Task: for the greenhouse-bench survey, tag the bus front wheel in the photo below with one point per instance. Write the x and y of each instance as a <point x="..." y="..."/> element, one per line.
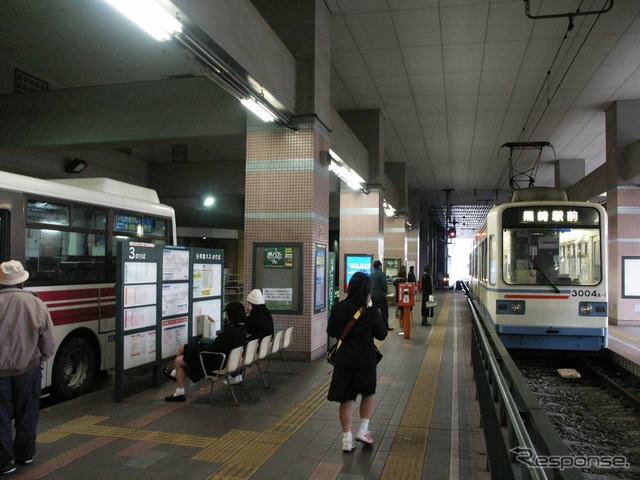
<point x="73" y="369"/>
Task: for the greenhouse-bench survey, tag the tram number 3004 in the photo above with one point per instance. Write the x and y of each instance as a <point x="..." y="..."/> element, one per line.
<point x="587" y="293"/>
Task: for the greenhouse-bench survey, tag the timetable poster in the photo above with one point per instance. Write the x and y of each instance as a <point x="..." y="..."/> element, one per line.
<point x="174" y="334"/>
<point x="140" y="348"/>
<point x="137" y="303"/>
<point x="207" y="271"/>
<point x="175" y="264"/>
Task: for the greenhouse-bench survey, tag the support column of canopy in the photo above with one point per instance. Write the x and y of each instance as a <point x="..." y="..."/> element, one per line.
<point x="361" y="228"/>
<point x="623" y="206"/>
<point x="287" y="206"/>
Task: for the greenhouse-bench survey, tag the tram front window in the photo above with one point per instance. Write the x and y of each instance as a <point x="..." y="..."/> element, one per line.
<point x="558" y="256"/>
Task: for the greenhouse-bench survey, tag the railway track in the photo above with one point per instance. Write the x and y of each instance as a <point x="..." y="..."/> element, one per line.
<point x="597" y="415"/>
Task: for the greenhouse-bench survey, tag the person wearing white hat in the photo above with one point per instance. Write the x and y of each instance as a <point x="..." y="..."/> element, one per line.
<point x="259" y="321"/>
<point x="26" y="341"/>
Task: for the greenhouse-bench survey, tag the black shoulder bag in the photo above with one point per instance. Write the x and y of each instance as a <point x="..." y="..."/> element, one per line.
<point x="331" y="353"/>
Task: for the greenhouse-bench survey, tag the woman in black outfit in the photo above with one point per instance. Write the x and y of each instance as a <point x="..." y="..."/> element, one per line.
<point x="354" y="370"/>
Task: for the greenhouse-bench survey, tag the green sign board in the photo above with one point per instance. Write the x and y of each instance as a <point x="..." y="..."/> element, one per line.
<point x="278" y="257"/>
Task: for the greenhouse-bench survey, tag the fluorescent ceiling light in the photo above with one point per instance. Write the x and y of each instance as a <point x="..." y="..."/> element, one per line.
<point x="208" y="201"/>
<point x="389" y="211"/>
<point x="351" y="178"/>
<point x="258" y="109"/>
<point x="149" y="16"/>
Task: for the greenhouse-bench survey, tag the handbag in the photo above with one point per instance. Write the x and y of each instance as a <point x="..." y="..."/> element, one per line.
<point x="378" y="354"/>
<point x="331" y="353"/>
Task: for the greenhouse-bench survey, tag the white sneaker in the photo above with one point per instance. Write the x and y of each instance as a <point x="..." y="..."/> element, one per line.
<point x="233" y="380"/>
<point x="364" y="437"/>
<point x="348" y="446"/>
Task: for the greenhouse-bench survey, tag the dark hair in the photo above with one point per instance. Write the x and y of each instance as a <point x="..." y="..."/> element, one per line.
<point x="359" y="288"/>
<point x="235" y="312"/>
<point x="377" y="264"/>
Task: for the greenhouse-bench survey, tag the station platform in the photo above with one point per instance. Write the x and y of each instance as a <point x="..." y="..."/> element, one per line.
<point x="426" y="422"/>
<point x="624" y="347"/>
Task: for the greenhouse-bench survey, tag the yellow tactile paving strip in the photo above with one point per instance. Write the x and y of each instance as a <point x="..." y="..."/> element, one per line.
<point x="241" y="453"/>
<point x="408" y="450"/>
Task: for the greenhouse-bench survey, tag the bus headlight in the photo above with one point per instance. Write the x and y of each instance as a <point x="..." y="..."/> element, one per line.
<point x="510" y="307"/>
<point x="592" y="309"/>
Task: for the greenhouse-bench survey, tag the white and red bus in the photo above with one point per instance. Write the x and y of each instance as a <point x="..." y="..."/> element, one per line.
<point x="65" y="234"/>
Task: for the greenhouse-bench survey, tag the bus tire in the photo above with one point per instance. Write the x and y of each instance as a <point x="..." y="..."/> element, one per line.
<point x="74" y="369"/>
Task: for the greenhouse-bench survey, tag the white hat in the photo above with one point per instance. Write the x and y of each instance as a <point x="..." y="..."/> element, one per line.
<point x="12" y="273"/>
<point x="255" y="297"/>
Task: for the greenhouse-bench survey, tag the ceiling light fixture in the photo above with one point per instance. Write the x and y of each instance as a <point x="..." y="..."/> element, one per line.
<point x="348" y="176"/>
<point x="208" y="201"/>
<point x="149" y="16"/>
<point x="389" y="211"/>
<point x="258" y="109"/>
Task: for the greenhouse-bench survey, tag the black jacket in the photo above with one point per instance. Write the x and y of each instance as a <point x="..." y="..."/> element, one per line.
<point x="259" y="322"/>
<point x="231" y="337"/>
<point x="357" y="350"/>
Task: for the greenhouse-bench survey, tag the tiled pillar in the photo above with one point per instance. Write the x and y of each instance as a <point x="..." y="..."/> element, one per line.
<point x="623" y="208"/>
<point x="361" y="227"/>
<point x="395" y="245"/>
<point x="287" y="201"/>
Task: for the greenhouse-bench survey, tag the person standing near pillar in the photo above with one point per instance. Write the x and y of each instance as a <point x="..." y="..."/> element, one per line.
<point x="26" y="341"/>
<point x="355" y="366"/>
<point x="379" y="292"/>
<point x="427" y="290"/>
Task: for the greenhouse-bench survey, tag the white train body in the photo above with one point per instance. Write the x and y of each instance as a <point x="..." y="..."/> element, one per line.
<point x="538" y="271"/>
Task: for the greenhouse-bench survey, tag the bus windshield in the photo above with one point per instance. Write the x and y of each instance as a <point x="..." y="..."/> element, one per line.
<point x="552" y="256"/>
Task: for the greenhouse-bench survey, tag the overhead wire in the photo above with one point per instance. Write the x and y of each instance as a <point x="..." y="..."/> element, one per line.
<point x="547" y="83"/>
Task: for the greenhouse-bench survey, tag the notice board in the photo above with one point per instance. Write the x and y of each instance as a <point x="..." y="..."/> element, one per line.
<point x="165" y="297"/>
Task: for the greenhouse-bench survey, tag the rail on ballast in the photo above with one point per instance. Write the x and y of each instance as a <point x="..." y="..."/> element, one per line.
<point x="521" y="441"/>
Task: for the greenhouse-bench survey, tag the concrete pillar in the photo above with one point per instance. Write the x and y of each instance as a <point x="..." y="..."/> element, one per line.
<point x="413" y="250"/>
<point x="368" y="127"/>
<point x="568" y="171"/>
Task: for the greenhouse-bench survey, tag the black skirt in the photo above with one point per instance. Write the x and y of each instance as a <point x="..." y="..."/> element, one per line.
<point x="347" y="383"/>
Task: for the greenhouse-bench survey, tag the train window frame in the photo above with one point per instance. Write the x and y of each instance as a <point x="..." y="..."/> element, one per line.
<point x="522" y="261"/>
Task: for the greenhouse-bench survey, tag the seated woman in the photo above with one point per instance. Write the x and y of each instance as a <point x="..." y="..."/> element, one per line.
<point x="187" y="362"/>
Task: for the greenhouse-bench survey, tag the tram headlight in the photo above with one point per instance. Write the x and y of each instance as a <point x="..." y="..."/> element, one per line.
<point x="585" y="309"/>
<point x="592" y="309"/>
<point x="510" y="307"/>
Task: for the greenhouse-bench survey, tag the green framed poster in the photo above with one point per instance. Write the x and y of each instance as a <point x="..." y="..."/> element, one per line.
<point x="277" y="272"/>
<point x="278" y="257"/>
<point x="392" y="267"/>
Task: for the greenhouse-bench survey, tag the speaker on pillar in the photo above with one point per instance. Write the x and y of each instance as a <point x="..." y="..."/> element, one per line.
<point x="325" y="158"/>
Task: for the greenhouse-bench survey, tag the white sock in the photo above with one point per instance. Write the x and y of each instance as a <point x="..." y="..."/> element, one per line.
<point x="347" y="436"/>
<point x="179" y="391"/>
<point x="364" y="425"/>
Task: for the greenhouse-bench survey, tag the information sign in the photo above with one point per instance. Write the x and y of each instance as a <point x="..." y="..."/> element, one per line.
<point x="165" y="296"/>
